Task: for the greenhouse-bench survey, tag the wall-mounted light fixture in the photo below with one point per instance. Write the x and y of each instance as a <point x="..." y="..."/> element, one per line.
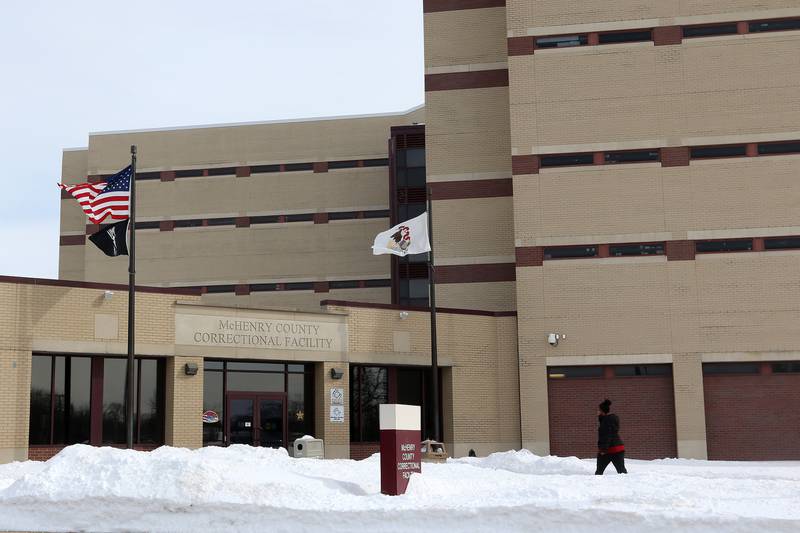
<point x="337" y="373"/>
<point x="403" y="315"/>
<point x="190" y="369"/>
<point x="107" y="295"/>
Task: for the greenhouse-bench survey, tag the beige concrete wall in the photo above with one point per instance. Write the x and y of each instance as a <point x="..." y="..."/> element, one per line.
<point x="481" y="387"/>
<point x="465" y="37"/>
<point x="72" y="218"/>
<point x="476" y="230"/>
<point x="467" y="133"/>
<point x="184" y="404"/>
<point x="300" y="251"/>
<point x="484" y="296"/>
<point x="641" y="202"/>
<point x="555" y="16"/>
<point x="336" y="435"/>
<point x="602" y="97"/>
<point x="243" y="144"/>
<point x="66" y="319"/>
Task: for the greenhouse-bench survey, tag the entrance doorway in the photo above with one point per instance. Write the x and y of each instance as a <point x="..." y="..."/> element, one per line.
<point x="257" y="419"/>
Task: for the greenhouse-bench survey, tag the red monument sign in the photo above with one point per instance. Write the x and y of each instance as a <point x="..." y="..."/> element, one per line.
<point x="400" y="443"/>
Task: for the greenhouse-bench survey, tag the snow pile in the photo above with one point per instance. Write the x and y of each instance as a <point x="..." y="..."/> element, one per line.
<point x="256" y="489"/>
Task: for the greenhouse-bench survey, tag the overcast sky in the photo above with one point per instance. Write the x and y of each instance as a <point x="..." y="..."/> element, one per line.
<point x="70" y="68"/>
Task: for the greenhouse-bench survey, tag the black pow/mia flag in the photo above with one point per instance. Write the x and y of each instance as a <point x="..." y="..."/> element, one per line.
<point x="111" y="239"/>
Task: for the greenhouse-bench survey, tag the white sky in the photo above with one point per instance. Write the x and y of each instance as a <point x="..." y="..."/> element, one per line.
<point x="70" y="68"/>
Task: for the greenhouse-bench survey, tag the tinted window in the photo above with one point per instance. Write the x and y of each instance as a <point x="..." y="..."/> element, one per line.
<point x="344" y="284"/>
<point x="632" y="157"/>
<point x="782" y="243"/>
<point x="267" y="219"/>
<point x="718" y="151"/>
<point x="305" y="217"/>
<point x="643" y="370"/>
<point x="191" y="223"/>
<point x="741" y="245"/>
<point x="563" y="252"/>
<point x="263" y="287"/>
<point x="188" y="173"/>
<point x="383" y="213"/>
<point x="637" y="249"/>
<point x="299" y="286"/>
<point x="706" y="31"/>
<point x="779" y="148"/>
<point x="575" y="372"/>
<point x="343" y="215"/>
<point x="378" y="283"/>
<point x="148" y="225"/>
<point x="39" y="429"/>
<point x="213" y="401"/>
<point x="228" y="171"/>
<point x="148" y="402"/>
<point x="775" y="25"/>
<point x="731" y="368"/>
<point x="114" y="400"/>
<point x="264" y="169"/>
<point x="369" y="388"/>
<point x="300" y="398"/>
<point x="211" y="289"/>
<point x="415" y="157"/>
<point x="294" y="167"/>
<point x="376" y="162"/>
<point x="79" y="421"/>
<point x="562" y="41"/>
<point x="255" y="381"/>
<point x="789" y="366"/>
<point x="221" y="221"/>
<point x="625" y="37"/>
<point x="567" y="160"/>
<point x="341" y="164"/>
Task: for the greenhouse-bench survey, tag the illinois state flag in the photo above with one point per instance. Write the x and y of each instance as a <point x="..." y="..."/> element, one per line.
<point x="409" y="237"/>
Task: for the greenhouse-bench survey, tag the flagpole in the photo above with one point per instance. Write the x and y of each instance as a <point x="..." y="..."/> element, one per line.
<point x="434" y="355"/>
<point x="131" y="302"/>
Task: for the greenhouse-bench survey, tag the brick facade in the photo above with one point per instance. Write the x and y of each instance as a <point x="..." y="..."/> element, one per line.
<point x="753" y="417"/>
<point x="644" y="405"/>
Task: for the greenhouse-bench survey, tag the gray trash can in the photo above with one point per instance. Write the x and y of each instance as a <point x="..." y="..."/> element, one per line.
<point x="309" y="448"/>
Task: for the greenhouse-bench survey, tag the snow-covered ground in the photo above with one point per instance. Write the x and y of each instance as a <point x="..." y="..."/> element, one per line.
<point x="255" y="489"/>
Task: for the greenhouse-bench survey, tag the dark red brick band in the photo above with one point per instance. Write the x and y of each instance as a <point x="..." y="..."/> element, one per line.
<point x="436" y="6"/>
<point x="459" y="190"/>
<point x="478" y="79"/>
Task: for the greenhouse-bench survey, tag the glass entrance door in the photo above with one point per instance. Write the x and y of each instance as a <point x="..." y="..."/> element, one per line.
<point x="257" y="419"/>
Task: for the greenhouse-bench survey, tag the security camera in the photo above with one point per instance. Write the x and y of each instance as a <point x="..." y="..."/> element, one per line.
<point x="553" y="338"/>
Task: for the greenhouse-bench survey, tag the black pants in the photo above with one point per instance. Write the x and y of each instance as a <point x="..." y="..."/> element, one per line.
<point x="617" y="458"/>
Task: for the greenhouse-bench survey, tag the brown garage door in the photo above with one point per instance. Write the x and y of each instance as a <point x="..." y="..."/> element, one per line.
<point x="752" y="411"/>
<point x="642" y="397"/>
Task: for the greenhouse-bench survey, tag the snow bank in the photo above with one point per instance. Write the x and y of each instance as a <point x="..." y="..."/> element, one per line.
<point x="255" y="489"/>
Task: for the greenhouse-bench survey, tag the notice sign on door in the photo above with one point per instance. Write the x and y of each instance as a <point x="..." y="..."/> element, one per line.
<point x="337" y="413"/>
<point x="337" y="396"/>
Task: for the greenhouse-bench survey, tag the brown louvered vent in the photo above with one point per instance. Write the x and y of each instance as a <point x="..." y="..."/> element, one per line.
<point x="413" y="270"/>
<point x="414" y="140"/>
<point x="411" y="195"/>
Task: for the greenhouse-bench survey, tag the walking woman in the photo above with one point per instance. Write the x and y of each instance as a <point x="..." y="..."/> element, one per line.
<point x="610" y="448"/>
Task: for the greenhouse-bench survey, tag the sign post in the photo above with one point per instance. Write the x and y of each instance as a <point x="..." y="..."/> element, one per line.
<point x="400" y="443"/>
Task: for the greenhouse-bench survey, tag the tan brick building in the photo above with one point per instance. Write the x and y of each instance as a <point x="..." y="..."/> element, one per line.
<point x="629" y="170"/>
<point x="615" y="207"/>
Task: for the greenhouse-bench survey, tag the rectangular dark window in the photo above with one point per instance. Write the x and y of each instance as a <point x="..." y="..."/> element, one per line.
<point x="299" y="286"/>
<point x="144" y="176"/>
<point x="296" y="167"/>
<point x="415" y="157"/>
<point x="303" y="217"/>
<point x="567" y="160"/>
<point x="642" y="370"/>
<point x="376" y="162"/>
<point x="378" y="283"/>
<point x="256" y="367"/>
<point x="264" y="169"/>
<point x="731" y="368"/>
<point x="626" y="37"/>
<point x="408" y="211"/>
<point x="782" y="243"/>
<point x="383" y="213"/>
<point x="562" y="41"/>
<point x="342" y="215"/>
<point x="786" y="367"/>
<point x="708" y="152"/>
<point x="709" y="30"/>
<point x="195" y="173"/>
<point x="213" y="289"/>
<point x="148" y="225"/>
<point x="264" y="219"/>
<point x="63" y="407"/>
<point x="222" y="221"/>
<point x="213" y="401"/>
<point x="636" y="156"/>
<point x="369" y="388"/>
<point x="739" y="245"/>
<point x="342" y="164"/>
<point x="557" y="372"/>
<point x="775" y="25"/>
<point x="779" y="148"/>
<point x="189" y="223"/>
<point x="344" y="284"/>
<point x="226" y="171"/>
<point x="621" y="250"/>
<point x="263" y="287"/>
<point x="566" y="252"/>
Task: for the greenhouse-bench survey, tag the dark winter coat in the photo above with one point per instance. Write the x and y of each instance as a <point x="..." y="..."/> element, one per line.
<point x="608" y="432"/>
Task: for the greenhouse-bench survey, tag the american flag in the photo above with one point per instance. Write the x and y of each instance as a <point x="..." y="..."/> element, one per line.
<point x="110" y="198"/>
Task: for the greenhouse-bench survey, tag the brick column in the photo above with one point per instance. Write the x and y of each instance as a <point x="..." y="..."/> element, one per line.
<point x="534" y="408"/>
<point x="336" y="435"/>
<point x="184" y="406"/>
<point x="15" y="397"/>
<point x="690" y="415"/>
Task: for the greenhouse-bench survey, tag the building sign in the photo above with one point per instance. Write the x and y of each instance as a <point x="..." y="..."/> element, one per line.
<point x="400" y="446"/>
<point x="337" y="396"/>
<point x="242" y="332"/>
<point x="337" y="413"/>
